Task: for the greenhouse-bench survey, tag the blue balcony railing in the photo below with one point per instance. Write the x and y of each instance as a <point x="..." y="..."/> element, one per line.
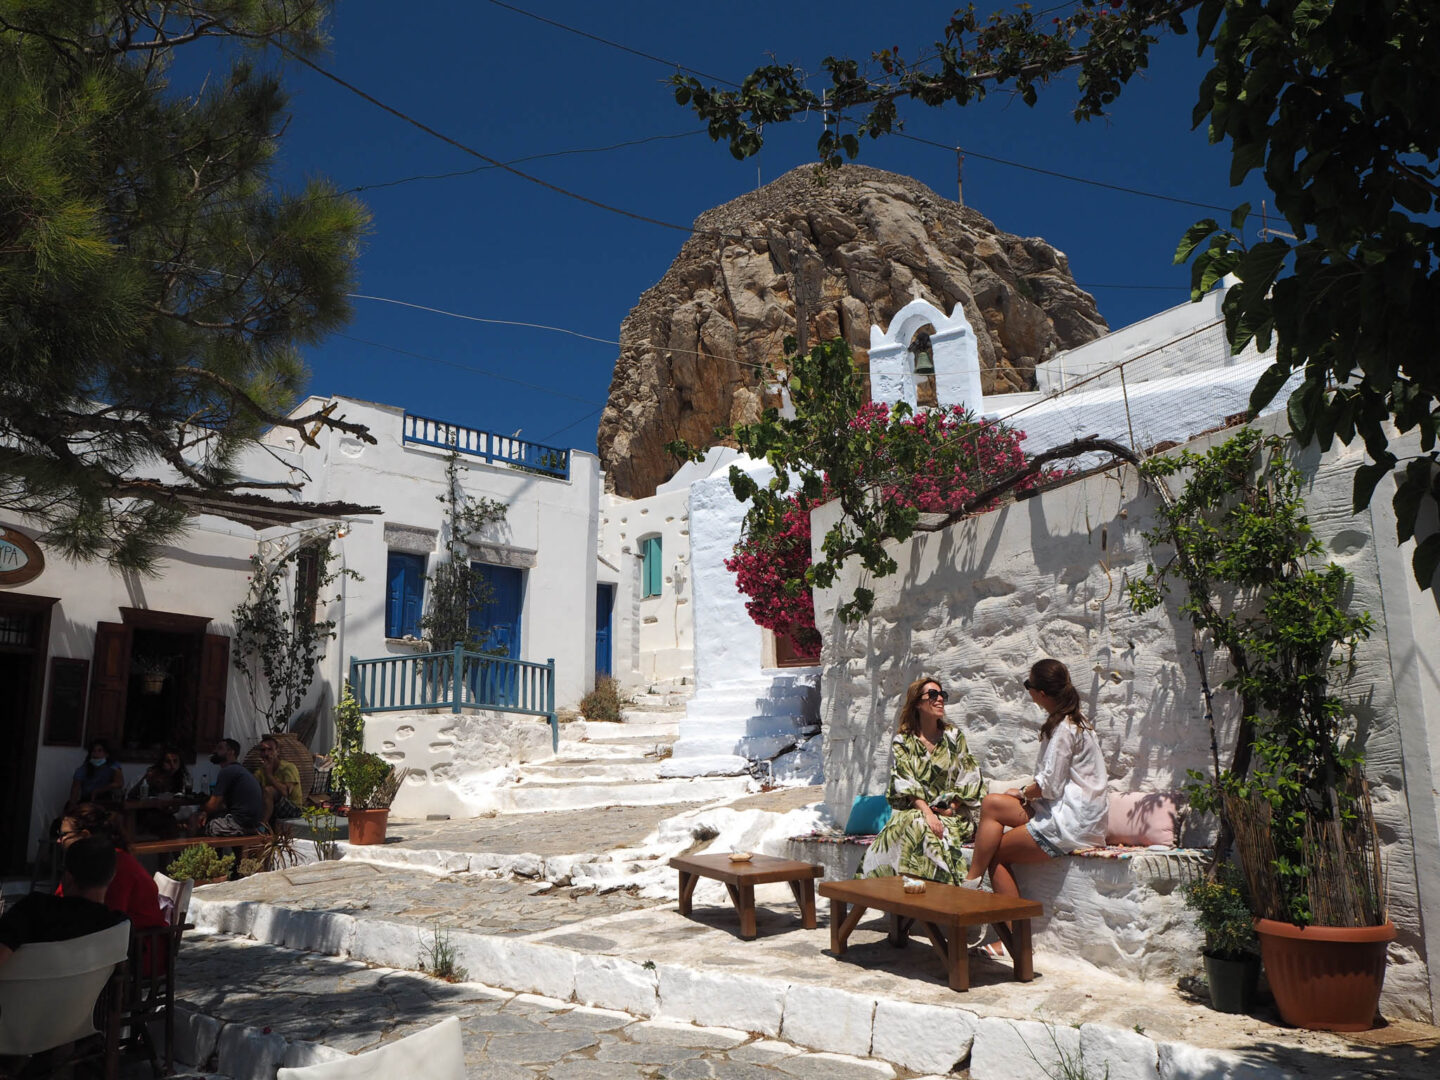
<point x="456" y="680"/>
<point x="489" y="447"/>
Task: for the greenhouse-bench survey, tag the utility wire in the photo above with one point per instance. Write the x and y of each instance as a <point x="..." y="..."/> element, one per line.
<point x="1062" y="176"/>
<point x="612" y="44"/>
<point x="467" y="367"/>
<point x="573" y="423"/>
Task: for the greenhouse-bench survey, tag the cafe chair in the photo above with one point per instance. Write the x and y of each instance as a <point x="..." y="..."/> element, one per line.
<point x="48" y="992"/>
<point x="437" y="1052"/>
<point x="150" y="983"/>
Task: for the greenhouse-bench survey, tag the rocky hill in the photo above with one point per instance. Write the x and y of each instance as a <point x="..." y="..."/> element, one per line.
<point x="852" y="247"/>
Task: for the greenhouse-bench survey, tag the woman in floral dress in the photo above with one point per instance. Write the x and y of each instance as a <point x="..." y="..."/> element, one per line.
<point x="935" y="791"/>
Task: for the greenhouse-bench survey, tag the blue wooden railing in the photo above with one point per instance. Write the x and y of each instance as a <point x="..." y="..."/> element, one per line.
<point x="492" y="448"/>
<point x="456" y="680"/>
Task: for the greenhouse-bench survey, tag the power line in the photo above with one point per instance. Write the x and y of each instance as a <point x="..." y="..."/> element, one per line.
<point x="612" y="44"/>
<point x="573" y="423"/>
<point x="467" y="367"/>
<point x="1060" y="175"/>
<point x="481" y="319"/>
<point x="519" y="160"/>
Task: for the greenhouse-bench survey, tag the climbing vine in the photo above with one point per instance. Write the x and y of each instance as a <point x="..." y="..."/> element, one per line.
<point x="279" y="636"/>
<point x="1247" y="558"/>
<point x="457" y="587"/>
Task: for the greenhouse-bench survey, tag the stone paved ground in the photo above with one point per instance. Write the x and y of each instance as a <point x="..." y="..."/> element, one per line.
<point x="414" y="897"/>
<point x="555" y="832"/>
<point x="346" y="1005"/>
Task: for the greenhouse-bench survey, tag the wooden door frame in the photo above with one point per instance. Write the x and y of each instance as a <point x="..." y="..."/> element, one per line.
<point x="20" y="800"/>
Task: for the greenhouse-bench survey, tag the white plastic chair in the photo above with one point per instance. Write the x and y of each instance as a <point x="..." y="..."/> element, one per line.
<point x="48" y="989"/>
<point x="174" y="895"/>
<point x="437" y="1052"/>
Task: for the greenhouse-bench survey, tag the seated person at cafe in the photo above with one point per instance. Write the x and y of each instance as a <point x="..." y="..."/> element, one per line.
<point x="89" y="866"/>
<point x="98" y="778"/>
<point x="279" y="782"/>
<point x="168" y="776"/>
<point x="132" y="890"/>
<point x="236" y="806"/>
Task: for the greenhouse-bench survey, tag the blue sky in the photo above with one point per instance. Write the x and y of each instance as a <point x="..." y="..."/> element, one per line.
<point x="493" y="246"/>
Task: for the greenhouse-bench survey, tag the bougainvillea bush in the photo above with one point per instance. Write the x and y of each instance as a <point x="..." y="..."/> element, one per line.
<point x="935" y="461"/>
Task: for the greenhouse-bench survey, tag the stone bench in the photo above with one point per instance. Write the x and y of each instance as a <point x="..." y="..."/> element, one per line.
<point x="1117" y="907"/>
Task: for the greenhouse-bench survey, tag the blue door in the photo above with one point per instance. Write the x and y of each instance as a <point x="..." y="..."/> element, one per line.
<point x="604" y="605"/>
<point x="499" y="684"/>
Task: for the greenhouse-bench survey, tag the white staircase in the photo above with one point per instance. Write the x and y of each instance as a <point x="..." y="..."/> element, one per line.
<point x="729" y="726"/>
<point x="617" y="764"/>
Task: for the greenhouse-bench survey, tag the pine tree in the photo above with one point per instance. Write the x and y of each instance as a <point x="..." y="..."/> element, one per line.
<point x="155" y="284"/>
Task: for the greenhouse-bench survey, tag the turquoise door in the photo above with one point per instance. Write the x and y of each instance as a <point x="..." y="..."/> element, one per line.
<point x="604" y="605"/>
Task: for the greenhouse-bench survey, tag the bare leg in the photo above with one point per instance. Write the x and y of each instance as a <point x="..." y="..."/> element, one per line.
<point x="1016" y="846"/>
<point x="997" y="813"/>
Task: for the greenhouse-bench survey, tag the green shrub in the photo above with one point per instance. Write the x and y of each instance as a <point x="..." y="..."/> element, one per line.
<point x="201" y="862"/>
<point x="369" y="780"/>
<point x="602" y="703"/>
<point x="1222" y="910"/>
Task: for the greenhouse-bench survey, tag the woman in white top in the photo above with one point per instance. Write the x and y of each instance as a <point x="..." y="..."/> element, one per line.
<point x="1063" y="809"/>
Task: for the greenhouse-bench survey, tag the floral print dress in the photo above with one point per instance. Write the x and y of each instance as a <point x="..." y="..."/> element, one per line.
<point x="906" y="845"/>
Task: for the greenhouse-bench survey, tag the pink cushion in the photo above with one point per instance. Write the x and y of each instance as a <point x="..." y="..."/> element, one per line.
<point x="1141" y="818"/>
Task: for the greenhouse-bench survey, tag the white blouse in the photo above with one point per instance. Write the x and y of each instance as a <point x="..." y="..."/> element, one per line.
<point x="1073" y="804"/>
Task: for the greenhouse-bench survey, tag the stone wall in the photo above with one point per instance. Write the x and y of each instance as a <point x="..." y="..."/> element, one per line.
<point x="456" y="761"/>
<point x="976" y="604"/>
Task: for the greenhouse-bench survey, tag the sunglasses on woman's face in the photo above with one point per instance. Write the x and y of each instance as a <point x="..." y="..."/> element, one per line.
<point x="1030" y="685"/>
<point x="936" y="695"/>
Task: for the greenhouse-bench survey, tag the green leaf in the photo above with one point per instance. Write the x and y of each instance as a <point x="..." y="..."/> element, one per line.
<point x="1193" y="238"/>
<point x="1426" y="561"/>
<point x="1366" y="477"/>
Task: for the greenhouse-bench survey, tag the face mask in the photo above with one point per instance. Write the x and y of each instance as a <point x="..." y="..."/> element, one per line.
<point x="98" y="761"/>
<point x="216" y="759"/>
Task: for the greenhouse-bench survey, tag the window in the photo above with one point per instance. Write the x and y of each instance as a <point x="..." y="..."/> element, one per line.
<point x="651" y="573"/>
<point x="404" y="594"/>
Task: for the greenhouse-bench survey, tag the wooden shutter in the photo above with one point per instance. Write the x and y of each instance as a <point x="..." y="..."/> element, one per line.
<point x="210" y="703"/>
<point x="109" y="683"/>
<point x="404" y="594"/>
<point x="653" y="570"/>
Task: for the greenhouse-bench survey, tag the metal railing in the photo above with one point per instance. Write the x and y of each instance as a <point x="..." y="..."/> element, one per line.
<point x="488" y="446"/>
<point x="456" y="680"/>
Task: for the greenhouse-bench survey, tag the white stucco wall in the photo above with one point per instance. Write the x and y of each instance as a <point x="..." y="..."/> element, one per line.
<point x="976" y="604"/>
<point x="206" y="575"/>
<point x="551" y="530"/>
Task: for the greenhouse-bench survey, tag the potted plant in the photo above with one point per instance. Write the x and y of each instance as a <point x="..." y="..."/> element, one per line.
<point x="1293" y="797"/>
<point x="153" y="671"/>
<point x="370" y="782"/>
<point x="1222" y="912"/>
<point x="202" y="863"/>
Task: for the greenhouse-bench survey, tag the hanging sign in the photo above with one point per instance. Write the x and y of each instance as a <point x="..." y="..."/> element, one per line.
<point x="20" y="558"/>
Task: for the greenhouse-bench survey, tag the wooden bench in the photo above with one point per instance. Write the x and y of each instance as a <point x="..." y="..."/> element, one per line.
<point x="740" y="879"/>
<point x="160" y="847"/>
<point x="943" y="911"/>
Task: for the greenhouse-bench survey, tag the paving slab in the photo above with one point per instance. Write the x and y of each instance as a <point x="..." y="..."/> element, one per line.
<point x="296" y="1002"/>
<point x="551" y="832"/>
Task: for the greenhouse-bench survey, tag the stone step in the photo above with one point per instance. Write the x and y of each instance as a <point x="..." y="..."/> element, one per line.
<point x="531" y="797"/>
<point x="613" y="770"/>
<point x="596" y="731"/>
<point x="306" y="1008"/>
<point x="705" y="765"/>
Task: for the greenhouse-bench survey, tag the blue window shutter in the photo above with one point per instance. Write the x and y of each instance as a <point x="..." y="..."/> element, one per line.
<point x="652" y="572"/>
<point x="404" y="594"/>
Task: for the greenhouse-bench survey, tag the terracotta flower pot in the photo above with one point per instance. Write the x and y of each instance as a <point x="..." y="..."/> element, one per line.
<point x="1326" y="978"/>
<point x="368" y="826"/>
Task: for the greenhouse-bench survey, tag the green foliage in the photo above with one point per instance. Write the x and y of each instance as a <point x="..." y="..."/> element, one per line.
<point x="1244" y="552"/>
<point x="602" y="703"/>
<point x="369" y="780"/>
<point x="456" y="587"/>
<point x="201" y="862"/>
<point x="155" y="285"/>
<point x="1333" y="101"/>
<point x="277" y="646"/>
<point x="277" y="852"/>
<point x="323" y="828"/>
<point x="349" y="725"/>
<point x="1223" y="912"/>
<point x="437" y="957"/>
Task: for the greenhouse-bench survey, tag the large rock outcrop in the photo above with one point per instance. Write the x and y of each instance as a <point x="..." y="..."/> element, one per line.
<point x="853" y="247"/>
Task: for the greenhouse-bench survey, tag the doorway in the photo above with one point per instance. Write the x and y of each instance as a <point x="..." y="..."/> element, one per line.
<point x="604" y="605"/>
<point x="24" y="645"/>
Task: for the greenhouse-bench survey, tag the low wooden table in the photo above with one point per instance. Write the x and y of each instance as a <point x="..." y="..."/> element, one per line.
<point x="740" y="879"/>
<point x="943" y="911"/>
